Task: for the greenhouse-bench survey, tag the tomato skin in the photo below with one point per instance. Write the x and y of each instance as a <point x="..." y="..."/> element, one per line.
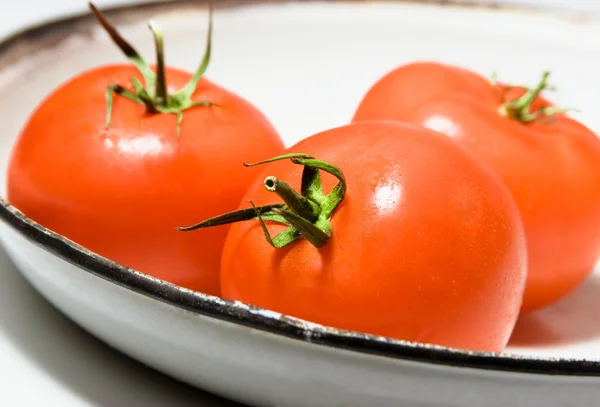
<point x="551" y="168"/>
<point x="122" y="192"/>
<point x="427" y="245"/>
<point x="416" y="83"/>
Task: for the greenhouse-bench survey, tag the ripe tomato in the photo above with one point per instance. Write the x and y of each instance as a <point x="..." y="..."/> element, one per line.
<point x="550" y="162"/>
<point x="121" y="190"/>
<point x="426" y="244"/>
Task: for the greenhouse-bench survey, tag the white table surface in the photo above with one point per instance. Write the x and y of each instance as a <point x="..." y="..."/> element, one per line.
<point x="45" y="360"/>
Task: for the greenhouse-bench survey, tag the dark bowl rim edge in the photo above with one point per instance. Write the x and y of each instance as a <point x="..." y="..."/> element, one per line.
<point x="249" y="316"/>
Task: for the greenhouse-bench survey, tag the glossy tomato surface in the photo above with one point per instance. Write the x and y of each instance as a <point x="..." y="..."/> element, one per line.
<point x="427" y="244"/>
<point x="122" y="191"/>
<point x="551" y="165"/>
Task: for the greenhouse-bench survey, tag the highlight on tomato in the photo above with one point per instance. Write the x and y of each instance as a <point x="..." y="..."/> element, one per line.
<point x="116" y="158"/>
<point x="395" y="230"/>
<point x="549" y="161"/>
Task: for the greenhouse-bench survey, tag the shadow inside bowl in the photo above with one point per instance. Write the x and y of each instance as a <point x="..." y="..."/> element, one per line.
<point x="79" y="362"/>
<point x="572" y="320"/>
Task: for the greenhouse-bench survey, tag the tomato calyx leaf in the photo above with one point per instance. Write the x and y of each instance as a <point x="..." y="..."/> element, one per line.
<point x="306" y="214"/>
<point x="520" y="109"/>
<point x="154" y="93"/>
<point x="231" y="217"/>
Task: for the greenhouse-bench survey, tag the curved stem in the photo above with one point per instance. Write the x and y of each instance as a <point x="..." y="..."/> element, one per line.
<point x="190" y="88"/>
<point x="154" y="95"/>
<point x="306" y="214"/>
<point x="525" y="101"/>
<point x="279" y="158"/>
<point x="117" y="90"/>
<point x="310" y="231"/>
<point x="231" y="217"/>
<point x="124" y="46"/>
<point x="143" y="95"/>
<point x="160" y="93"/>
<point x="283" y="238"/>
<point x="520" y="109"/>
<point x="311" y="181"/>
<point x="335" y="197"/>
<point x="263" y="226"/>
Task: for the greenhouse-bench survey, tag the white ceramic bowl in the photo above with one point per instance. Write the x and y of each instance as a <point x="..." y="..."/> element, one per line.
<point x="306" y="66"/>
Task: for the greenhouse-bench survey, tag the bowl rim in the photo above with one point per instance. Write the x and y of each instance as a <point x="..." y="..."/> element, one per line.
<point x="52" y="31"/>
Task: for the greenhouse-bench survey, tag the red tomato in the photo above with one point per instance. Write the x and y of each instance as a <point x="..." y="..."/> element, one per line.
<point x="427" y="244"/>
<point x="122" y="191"/>
<point x="550" y="162"/>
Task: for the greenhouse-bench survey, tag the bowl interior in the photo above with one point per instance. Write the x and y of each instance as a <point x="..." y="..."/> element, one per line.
<point x="307" y="66"/>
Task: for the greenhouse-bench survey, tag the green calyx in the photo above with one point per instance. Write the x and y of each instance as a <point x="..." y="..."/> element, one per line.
<point x="520" y="109"/>
<point x="153" y="93"/>
<point x="306" y="213"/>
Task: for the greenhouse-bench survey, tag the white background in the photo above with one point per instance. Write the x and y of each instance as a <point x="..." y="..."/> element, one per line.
<point x="47" y="361"/>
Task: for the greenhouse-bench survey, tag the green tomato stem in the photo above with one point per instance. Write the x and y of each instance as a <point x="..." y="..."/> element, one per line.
<point x="153" y="94"/>
<point x="520" y="109"/>
<point x="315" y="235"/>
<point x="281" y="239"/>
<point x="160" y="93"/>
<point x="232" y="217"/>
<point x="306" y="214"/>
<point x="299" y="204"/>
<point x="189" y="89"/>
